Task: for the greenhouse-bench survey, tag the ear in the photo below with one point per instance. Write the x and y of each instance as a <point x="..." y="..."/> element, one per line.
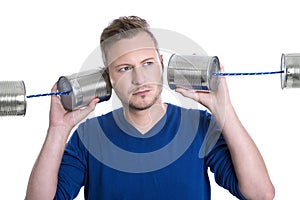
<point x="108" y="77"/>
<point x="161" y="61"/>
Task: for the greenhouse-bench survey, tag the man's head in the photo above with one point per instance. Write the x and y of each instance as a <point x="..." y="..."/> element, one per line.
<point x="130" y="52"/>
<point x="123" y="28"/>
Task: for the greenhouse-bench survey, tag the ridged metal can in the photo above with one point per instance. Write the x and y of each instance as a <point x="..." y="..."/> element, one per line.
<point x="193" y="72"/>
<point x="84" y="87"/>
<point x="12" y="98"/>
<point x="290" y="65"/>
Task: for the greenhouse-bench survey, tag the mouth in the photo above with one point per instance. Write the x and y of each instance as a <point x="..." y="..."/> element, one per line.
<point x="141" y="92"/>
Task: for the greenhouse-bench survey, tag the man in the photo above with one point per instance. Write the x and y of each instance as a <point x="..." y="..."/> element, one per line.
<point x="147" y="149"/>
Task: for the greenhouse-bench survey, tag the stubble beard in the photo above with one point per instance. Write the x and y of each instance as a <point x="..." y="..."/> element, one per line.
<point x="144" y="106"/>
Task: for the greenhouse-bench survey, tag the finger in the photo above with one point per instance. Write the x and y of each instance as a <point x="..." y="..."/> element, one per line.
<point x="93" y="104"/>
<point x="187" y="93"/>
<point x="54" y="88"/>
<point x="80" y="114"/>
<point x="221" y="68"/>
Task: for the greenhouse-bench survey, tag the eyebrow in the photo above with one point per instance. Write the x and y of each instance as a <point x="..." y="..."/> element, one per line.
<point x="144" y="60"/>
<point x="150" y="58"/>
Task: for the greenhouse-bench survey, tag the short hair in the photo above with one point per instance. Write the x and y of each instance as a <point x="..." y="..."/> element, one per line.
<point x="123" y="28"/>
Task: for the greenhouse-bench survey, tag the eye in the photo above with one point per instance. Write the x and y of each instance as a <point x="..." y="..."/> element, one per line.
<point x="125" y="68"/>
<point x="148" y="63"/>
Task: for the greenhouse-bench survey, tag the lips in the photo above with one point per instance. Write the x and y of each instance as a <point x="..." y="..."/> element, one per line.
<point x="141" y="92"/>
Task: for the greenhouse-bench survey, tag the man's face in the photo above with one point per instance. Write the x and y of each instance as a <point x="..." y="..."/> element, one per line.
<point x="135" y="70"/>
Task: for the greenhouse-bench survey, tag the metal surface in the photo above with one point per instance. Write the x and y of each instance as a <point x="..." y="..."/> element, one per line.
<point x="193" y="72"/>
<point x="12" y="98"/>
<point x="83" y="87"/>
<point x="290" y="65"/>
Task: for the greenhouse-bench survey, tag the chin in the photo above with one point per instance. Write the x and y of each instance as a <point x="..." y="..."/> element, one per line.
<point x="142" y="105"/>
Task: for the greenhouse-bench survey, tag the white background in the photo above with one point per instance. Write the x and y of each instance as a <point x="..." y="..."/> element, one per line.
<point x="40" y="41"/>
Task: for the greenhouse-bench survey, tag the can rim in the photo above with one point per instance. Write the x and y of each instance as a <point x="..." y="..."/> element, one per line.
<point x="213" y="81"/>
<point x="283" y="68"/>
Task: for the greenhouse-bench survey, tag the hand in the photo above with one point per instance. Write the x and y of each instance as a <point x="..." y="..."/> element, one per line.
<point x="59" y="117"/>
<point x="216" y="101"/>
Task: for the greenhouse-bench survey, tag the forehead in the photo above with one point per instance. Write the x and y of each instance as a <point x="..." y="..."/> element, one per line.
<point x="141" y="41"/>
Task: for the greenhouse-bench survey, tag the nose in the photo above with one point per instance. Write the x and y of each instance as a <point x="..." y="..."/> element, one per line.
<point x="138" y="76"/>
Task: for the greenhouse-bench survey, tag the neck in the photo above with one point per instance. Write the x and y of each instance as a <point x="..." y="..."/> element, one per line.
<point x="144" y="120"/>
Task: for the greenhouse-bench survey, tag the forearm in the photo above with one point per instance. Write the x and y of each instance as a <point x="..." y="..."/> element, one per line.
<point x="43" y="179"/>
<point x="252" y="174"/>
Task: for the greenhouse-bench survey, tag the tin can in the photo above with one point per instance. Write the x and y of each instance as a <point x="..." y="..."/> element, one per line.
<point x="290" y="65"/>
<point x="12" y="98"/>
<point x="193" y="72"/>
<point x="84" y="87"/>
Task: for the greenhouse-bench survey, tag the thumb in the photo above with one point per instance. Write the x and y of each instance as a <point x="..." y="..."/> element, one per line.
<point x="81" y="113"/>
<point x="187" y="93"/>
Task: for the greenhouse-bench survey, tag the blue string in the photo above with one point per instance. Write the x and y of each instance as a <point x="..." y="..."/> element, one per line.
<point x="247" y="74"/>
<point x="213" y="74"/>
<point x="48" y="94"/>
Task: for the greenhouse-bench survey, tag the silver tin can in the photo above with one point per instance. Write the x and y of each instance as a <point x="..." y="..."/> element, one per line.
<point x="12" y="98"/>
<point x="290" y="65"/>
<point x="193" y="72"/>
<point x="84" y="87"/>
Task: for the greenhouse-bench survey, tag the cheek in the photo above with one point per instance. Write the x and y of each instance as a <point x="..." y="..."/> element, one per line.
<point x="114" y="79"/>
<point x="155" y="75"/>
<point x="120" y="83"/>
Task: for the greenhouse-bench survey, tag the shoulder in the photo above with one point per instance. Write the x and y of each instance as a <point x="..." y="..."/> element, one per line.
<point x="101" y="119"/>
<point x="190" y="117"/>
<point x="189" y="112"/>
<point x="92" y="125"/>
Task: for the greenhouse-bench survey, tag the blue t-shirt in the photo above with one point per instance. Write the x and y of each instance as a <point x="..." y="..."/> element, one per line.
<point x="113" y="160"/>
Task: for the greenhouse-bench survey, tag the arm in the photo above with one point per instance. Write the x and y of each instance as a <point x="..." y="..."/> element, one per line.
<point x="43" y="179"/>
<point x="253" y="178"/>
